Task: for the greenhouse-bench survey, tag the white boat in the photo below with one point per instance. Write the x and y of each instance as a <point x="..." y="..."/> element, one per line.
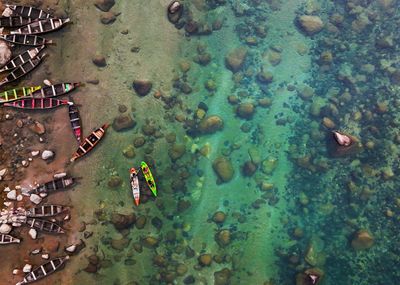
<point x="135" y="185"/>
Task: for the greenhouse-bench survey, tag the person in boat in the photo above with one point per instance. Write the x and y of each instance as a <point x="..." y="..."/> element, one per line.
<point x="151" y="184"/>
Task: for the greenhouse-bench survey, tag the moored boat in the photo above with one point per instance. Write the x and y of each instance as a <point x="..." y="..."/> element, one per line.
<point x="26" y="40"/>
<point x="41" y="27"/>
<point x="8" y="239"/>
<point x="55" y="90"/>
<point x="75" y="120"/>
<point x="45" y="211"/>
<point x="90" y="142"/>
<point x="44" y="226"/>
<point x="14" y="21"/>
<point x="149" y="177"/>
<point x="37" y="103"/>
<point x="17" y="93"/>
<point x="135" y="185"/>
<point x="29" y="12"/>
<point x="22" y="58"/>
<point x="62" y="183"/>
<point x="22" y="70"/>
<point x="44" y="270"/>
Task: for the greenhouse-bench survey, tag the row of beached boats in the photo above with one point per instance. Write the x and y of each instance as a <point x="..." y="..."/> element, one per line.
<point x="22" y="26"/>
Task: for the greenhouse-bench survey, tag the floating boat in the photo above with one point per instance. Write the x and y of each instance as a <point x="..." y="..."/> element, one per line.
<point x="7" y="239"/>
<point x="22" y="58"/>
<point x="135" y="185"/>
<point x="41" y="27"/>
<point x="29" y="12"/>
<point x="44" y="226"/>
<point x="149" y="177"/>
<point x="27" y="40"/>
<point x="45" y="211"/>
<point x="75" y="120"/>
<point x="62" y="183"/>
<point x="90" y="142"/>
<point x="44" y="270"/>
<point x="22" y="70"/>
<point x="55" y="90"/>
<point x="37" y="103"/>
<point x="17" y="93"/>
<point x="14" y="21"/>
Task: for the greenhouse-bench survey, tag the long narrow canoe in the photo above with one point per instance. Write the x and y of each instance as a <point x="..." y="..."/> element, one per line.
<point x="22" y="58"/>
<point x="90" y="142"/>
<point x="29" y="12"/>
<point x="7" y="239"/>
<point x="22" y="70"/>
<point x="17" y="93"/>
<point x="44" y="270"/>
<point x="14" y="21"/>
<point x="55" y="90"/>
<point x="75" y="120"/>
<point x="41" y="27"/>
<point x="45" y="211"/>
<point x="26" y="40"/>
<point x="149" y="177"/>
<point x="37" y="103"/>
<point x="62" y="183"/>
<point x="44" y="226"/>
<point x="135" y="185"/>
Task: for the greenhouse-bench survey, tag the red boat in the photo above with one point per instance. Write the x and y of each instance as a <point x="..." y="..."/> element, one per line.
<point x="37" y="103"/>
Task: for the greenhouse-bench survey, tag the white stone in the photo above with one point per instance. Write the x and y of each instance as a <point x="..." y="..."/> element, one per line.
<point x="15" y="271"/>
<point x="7" y="204"/>
<point x="36" y="251"/>
<point x="8" y="116"/>
<point x="35" y="153"/>
<point x="19" y="197"/>
<point x="27" y="268"/>
<point x="5" y="229"/>
<point x="16" y="224"/>
<point x="25" y="163"/>
<point x="45" y="256"/>
<point x="43" y="195"/>
<point x="18" y="187"/>
<point x="33" y="233"/>
<point x="35" y="199"/>
<point x="41" y="139"/>
<point x="71" y="248"/>
<point x="3" y="171"/>
<point x="59" y="175"/>
<point x="12" y="195"/>
<point x="7" y="189"/>
<point x="30" y="159"/>
<point x="47" y="154"/>
<point x="7" y="12"/>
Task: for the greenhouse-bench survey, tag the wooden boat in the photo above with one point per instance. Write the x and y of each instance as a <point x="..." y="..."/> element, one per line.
<point x="26" y="40"/>
<point x="41" y="26"/>
<point x="29" y="12"/>
<point x="14" y="21"/>
<point x="90" y="142"/>
<point x="62" y="183"/>
<point x="45" y="211"/>
<point x="44" y="270"/>
<point x="75" y="120"/>
<point x="135" y="185"/>
<point x="7" y="239"/>
<point x="22" y="58"/>
<point x="44" y="226"/>
<point x="55" y="90"/>
<point x="17" y="93"/>
<point x="37" y="103"/>
<point x="22" y="70"/>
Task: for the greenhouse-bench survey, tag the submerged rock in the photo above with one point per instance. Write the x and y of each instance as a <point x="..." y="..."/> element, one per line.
<point x="223" y="238"/>
<point x="121" y="221"/>
<point x="362" y="240"/>
<point x="310" y="24"/>
<point x="219" y="217"/>
<point x="235" y="59"/>
<point x="205" y="259"/>
<point x="245" y="110"/>
<point x="174" y="11"/>
<point x="123" y="122"/>
<point x="37" y="128"/>
<point x="222" y="277"/>
<point x="223" y="168"/>
<point x="119" y="244"/>
<point x="211" y="124"/>
<point x="142" y="87"/>
<point x="5" y="229"/>
<point x="104" y="5"/>
<point x="311" y="276"/>
<point x="99" y="61"/>
<point x="176" y="151"/>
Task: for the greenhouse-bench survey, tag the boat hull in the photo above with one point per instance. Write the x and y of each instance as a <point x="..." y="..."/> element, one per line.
<point x="149" y="177"/>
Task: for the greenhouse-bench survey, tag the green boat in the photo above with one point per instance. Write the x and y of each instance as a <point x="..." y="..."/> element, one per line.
<point x="17" y="93"/>
<point x="149" y="177"/>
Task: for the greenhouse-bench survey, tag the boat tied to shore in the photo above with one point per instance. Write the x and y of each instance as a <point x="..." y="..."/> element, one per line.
<point x="54" y="185"/>
<point x="37" y="103"/>
<point x="22" y="58"/>
<point x="28" y="12"/>
<point x="8" y="239"/>
<point x="45" y="211"/>
<point x="75" y="121"/>
<point x="44" y="270"/>
<point x="17" y="93"/>
<point x="44" y="226"/>
<point x="90" y="142"/>
<point x="26" y="40"/>
<point x="41" y="26"/>
<point x="14" y="21"/>
<point x="55" y="90"/>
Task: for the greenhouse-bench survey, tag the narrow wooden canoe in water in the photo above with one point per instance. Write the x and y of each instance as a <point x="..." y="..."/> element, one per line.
<point x="14" y="21"/>
<point x="55" y="90"/>
<point x="75" y="120"/>
<point x="22" y="58"/>
<point x="29" y="12"/>
<point x="37" y="103"/>
<point x="22" y="70"/>
<point x="44" y="226"/>
<point x="7" y="239"/>
<point x="41" y="27"/>
<point x="26" y="40"/>
<point x="62" y="183"/>
<point x="90" y="142"/>
<point x="17" y="93"/>
<point x="45" y="211"/>
<point x="44" y="270"/>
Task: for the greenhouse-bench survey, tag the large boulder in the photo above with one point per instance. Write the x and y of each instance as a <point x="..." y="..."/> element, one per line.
<point x="119" y="244"/>
<point x="5" y="53"/>
<point x="223" y="168"/>
<point x="104" y="5"/>
<point x="235" y="59"/>
<point x="245" y="110"/>
<point x="310" y="24"/>
<point x="121" y="221"/>
<point x="176" y="151"/>
<point x="123" y="122"/>
<point x="142" y="87"/>
<point x="362" y="239"/>
<point x="211" y="124"/>
<point x="222" y="277"/>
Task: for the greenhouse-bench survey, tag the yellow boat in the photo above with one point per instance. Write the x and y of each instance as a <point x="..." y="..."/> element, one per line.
<point x="17" y="93"/>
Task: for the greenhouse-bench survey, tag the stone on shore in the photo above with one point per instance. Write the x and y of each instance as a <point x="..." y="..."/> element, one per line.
<point x="27" y="268"/>
<point x="37" y="128"/>
<point x="142" y="87"/>
<point x="123" y="122"/>
<point x="121" y="221"/>
<point x="235" y="59"/>
<point x="310" y="24"/>
<point x="12" y="195"/>
<point x="36" y="199"/>
<point x="32" y="233"/>
<point x="104" y="5"/>
<point x="223" y="168"/>
<point x="47" y="154"/>
<point x="99" y="61"/>
<point x="5" y="53"/>
<point x="108" y="18"/>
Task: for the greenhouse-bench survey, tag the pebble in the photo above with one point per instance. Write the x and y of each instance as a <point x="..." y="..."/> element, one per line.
<point x="3" y="171"/>
<point x="47" y="154"/>
<point x="7" y="204"/>
<point x="45" y="256"/>
<point x="5" y="229"/>
<point x="27" y="268"/>
<point x="36" y="199"/>
<point x="36" y="251"/>
<point x="19" y="197"/>
<point x="15" y="271"/>
<point x="25" y="163"/>
<point x="59" y="175"/>
<point x="33" y="233"/>
<point x="71" y="248"/>
<point x="12" y="195"/>
<point x="7" y="189"/>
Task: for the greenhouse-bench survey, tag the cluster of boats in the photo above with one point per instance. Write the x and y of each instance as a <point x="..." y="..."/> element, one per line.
<point x="134" y="179"/>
